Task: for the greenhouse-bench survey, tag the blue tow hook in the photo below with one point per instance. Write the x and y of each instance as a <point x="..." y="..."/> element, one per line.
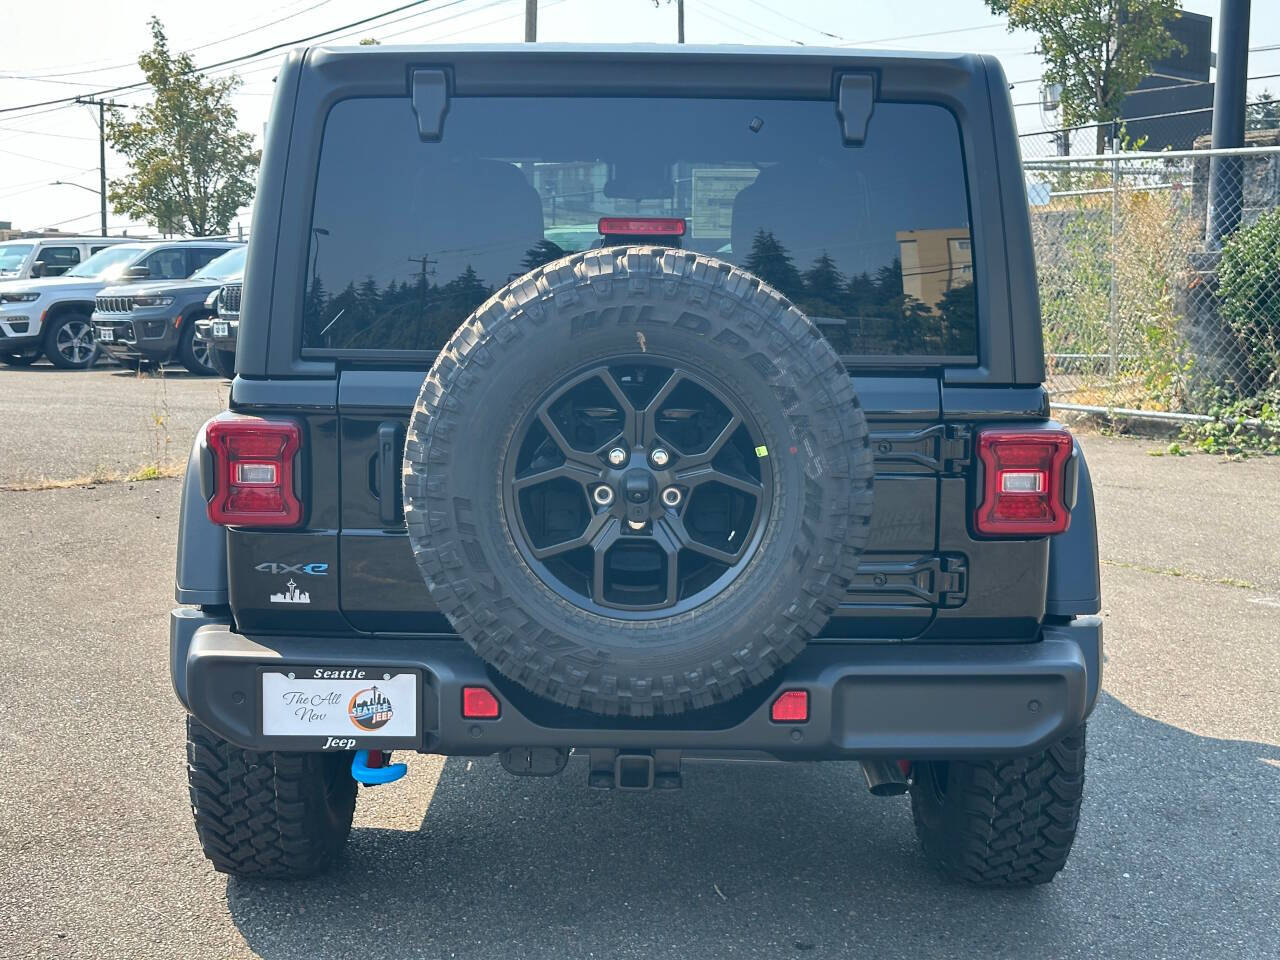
<point x="361" y="772"/>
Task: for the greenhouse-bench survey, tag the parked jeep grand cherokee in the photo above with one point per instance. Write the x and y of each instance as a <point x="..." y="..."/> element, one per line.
<point x="762" y="467"/>
<point x="52" y="315"/>
<point x="149" y="323"/>
<point x="220" y="328"/>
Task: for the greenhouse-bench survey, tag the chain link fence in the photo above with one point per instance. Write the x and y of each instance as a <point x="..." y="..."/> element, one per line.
<point x="1159" y="279"/>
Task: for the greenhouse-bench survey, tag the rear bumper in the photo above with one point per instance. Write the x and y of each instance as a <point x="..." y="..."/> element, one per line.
<point x="911" y="701"/>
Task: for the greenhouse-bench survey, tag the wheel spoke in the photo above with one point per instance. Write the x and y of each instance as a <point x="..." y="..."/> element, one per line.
<point x="676" y="537"/>
<point x="605" y="538"/>
<point x="697" y="476"/>
<point x="582" y="473"/>
<point x="649" y="416"/>
<point x="716" y="446"/>
<point x="630" y="415"/>
<point x="597" y="528"/>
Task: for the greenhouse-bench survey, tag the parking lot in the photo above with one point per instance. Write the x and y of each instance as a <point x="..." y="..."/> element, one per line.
<point x="1177" y="857"/>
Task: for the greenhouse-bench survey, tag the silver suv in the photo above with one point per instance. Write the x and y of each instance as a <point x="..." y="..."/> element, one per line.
<point x="51" y="316"/>
<point x="35" y="257"/>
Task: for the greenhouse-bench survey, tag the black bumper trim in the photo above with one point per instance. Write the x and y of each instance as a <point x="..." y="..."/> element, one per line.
<point x="899" y="700"/>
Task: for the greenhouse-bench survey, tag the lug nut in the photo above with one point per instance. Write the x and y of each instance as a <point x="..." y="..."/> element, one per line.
<point x="603" y="495"/>
<point x="660" y="457"/>
<point x="617" y="456"/>
<point x="671" y="496"/>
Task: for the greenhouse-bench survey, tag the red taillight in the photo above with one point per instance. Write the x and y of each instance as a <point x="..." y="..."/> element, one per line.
<point x="642" y="227"/>
<point x="253" y="471"/>
<point x="1023" y="482"/>
<point x="792" y="706"/>
<point x="478" y="703"/>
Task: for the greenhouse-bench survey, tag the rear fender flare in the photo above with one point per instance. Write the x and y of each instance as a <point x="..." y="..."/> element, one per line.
<point x="201" y="575"/>
<point x="1074" y="588"/>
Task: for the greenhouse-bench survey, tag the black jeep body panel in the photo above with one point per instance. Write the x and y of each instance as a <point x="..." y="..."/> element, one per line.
<point x="947" y="643"/>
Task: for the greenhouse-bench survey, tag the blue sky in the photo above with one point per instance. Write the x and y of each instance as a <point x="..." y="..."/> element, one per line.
<point x="57" y="42"/>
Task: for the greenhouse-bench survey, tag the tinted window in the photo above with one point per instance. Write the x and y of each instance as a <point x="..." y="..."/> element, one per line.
<point x="229" y="266"/>
<point x="168" y="264"/>
<point x="197" y="257"/>
<point x="12" y="256"/>
<point x="872" y="241"/>
<point x="58" y="260"/>
<point x="107" y="264"/>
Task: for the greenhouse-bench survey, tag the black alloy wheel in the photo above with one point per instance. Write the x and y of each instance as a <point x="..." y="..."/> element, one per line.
<point x="637" y="486"/>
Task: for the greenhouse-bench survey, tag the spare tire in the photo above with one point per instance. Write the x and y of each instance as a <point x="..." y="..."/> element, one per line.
<point x="637" y="481"/>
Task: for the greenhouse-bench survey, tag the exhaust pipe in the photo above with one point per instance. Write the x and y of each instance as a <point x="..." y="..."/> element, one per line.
<point x="884" y="778"/>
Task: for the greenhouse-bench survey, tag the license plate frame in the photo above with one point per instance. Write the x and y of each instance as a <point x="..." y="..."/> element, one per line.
<point x="106" y="335"/>
<point x="290" y="696"/>
<point x="220" y="328"/>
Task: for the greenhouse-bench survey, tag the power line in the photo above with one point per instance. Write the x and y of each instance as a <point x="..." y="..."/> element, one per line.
<point x="704" y="9"/>
<point x="798" y="23"/>
<point x="232" y="60"/>
<point x="934" y="33"/>
<point x="752" y="24"/>
<point x="41" y="77"/>
<point x="27" y="156"/>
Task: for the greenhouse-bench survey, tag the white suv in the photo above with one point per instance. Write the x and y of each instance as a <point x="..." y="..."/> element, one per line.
<point x="51" y="315"/>
<point x="35" y="257"/>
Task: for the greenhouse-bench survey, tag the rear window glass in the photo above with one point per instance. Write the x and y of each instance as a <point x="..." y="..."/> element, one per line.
<point x="871" y="241"/>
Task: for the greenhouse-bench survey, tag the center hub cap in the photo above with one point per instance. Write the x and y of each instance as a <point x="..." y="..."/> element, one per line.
<point x="639" y="489"/>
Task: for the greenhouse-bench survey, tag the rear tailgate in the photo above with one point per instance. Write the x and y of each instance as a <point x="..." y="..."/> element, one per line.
<point x="903" y="580"/>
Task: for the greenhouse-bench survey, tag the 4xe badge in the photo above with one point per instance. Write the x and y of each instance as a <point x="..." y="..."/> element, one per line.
<point x="314" y="569"/>
<point x="370" y="709"/>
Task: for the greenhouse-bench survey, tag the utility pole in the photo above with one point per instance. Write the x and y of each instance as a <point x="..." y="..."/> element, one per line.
<point x="424" y="261"/>
<point x="102" y="151"/>
<point x="530" y="21"/>
<point x="679" y="21"/>
<point x="1226" y="192"/>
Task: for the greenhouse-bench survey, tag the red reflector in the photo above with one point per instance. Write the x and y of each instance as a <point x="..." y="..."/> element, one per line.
<point x="791" y="706"/>
<point x="1024" y="474"/>
<point x="253" y="471"/>
<point x="642" y="226"/>
<point x="479" y="704"/>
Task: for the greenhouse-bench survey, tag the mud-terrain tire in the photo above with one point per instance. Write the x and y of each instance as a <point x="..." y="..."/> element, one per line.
<point x="268" y="814"/>
<point x="1001" y="822"/>
<point x="638" y="305"/>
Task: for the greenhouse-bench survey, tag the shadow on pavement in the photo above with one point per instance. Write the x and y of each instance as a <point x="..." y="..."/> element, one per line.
<point x="1177" y="857"/>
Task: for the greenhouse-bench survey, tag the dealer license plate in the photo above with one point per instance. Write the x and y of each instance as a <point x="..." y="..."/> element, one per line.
<point x="106" y="334"/>
<point x="221" y="328"/>
<point x="341" y="707"/>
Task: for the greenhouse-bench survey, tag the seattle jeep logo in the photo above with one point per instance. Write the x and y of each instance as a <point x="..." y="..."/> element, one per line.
<point x="369" y="709"/>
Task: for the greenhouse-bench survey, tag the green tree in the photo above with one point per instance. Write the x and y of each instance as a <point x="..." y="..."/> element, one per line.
<point x="1097" y="50"/>
<point x="1263" y="113"/>
<point x="770" y="261"/>
<point x="824" y="286"/>
<point x="190" y="169"/>
<point x="1249" y="299"/>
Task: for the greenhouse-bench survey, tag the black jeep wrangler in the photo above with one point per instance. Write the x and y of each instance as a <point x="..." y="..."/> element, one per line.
<point x="625" y="404"/>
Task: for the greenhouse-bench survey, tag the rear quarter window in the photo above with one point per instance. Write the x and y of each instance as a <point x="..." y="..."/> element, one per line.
<point x="873" y="241"/>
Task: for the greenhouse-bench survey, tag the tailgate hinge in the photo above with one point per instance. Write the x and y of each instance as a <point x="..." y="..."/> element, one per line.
<point x="943" y="448"/>
<point x="939" y="581"/>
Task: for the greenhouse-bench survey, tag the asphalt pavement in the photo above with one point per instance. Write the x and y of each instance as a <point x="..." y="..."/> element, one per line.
<point x="1178" y="855"/>
<point x="60" y="424"/>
